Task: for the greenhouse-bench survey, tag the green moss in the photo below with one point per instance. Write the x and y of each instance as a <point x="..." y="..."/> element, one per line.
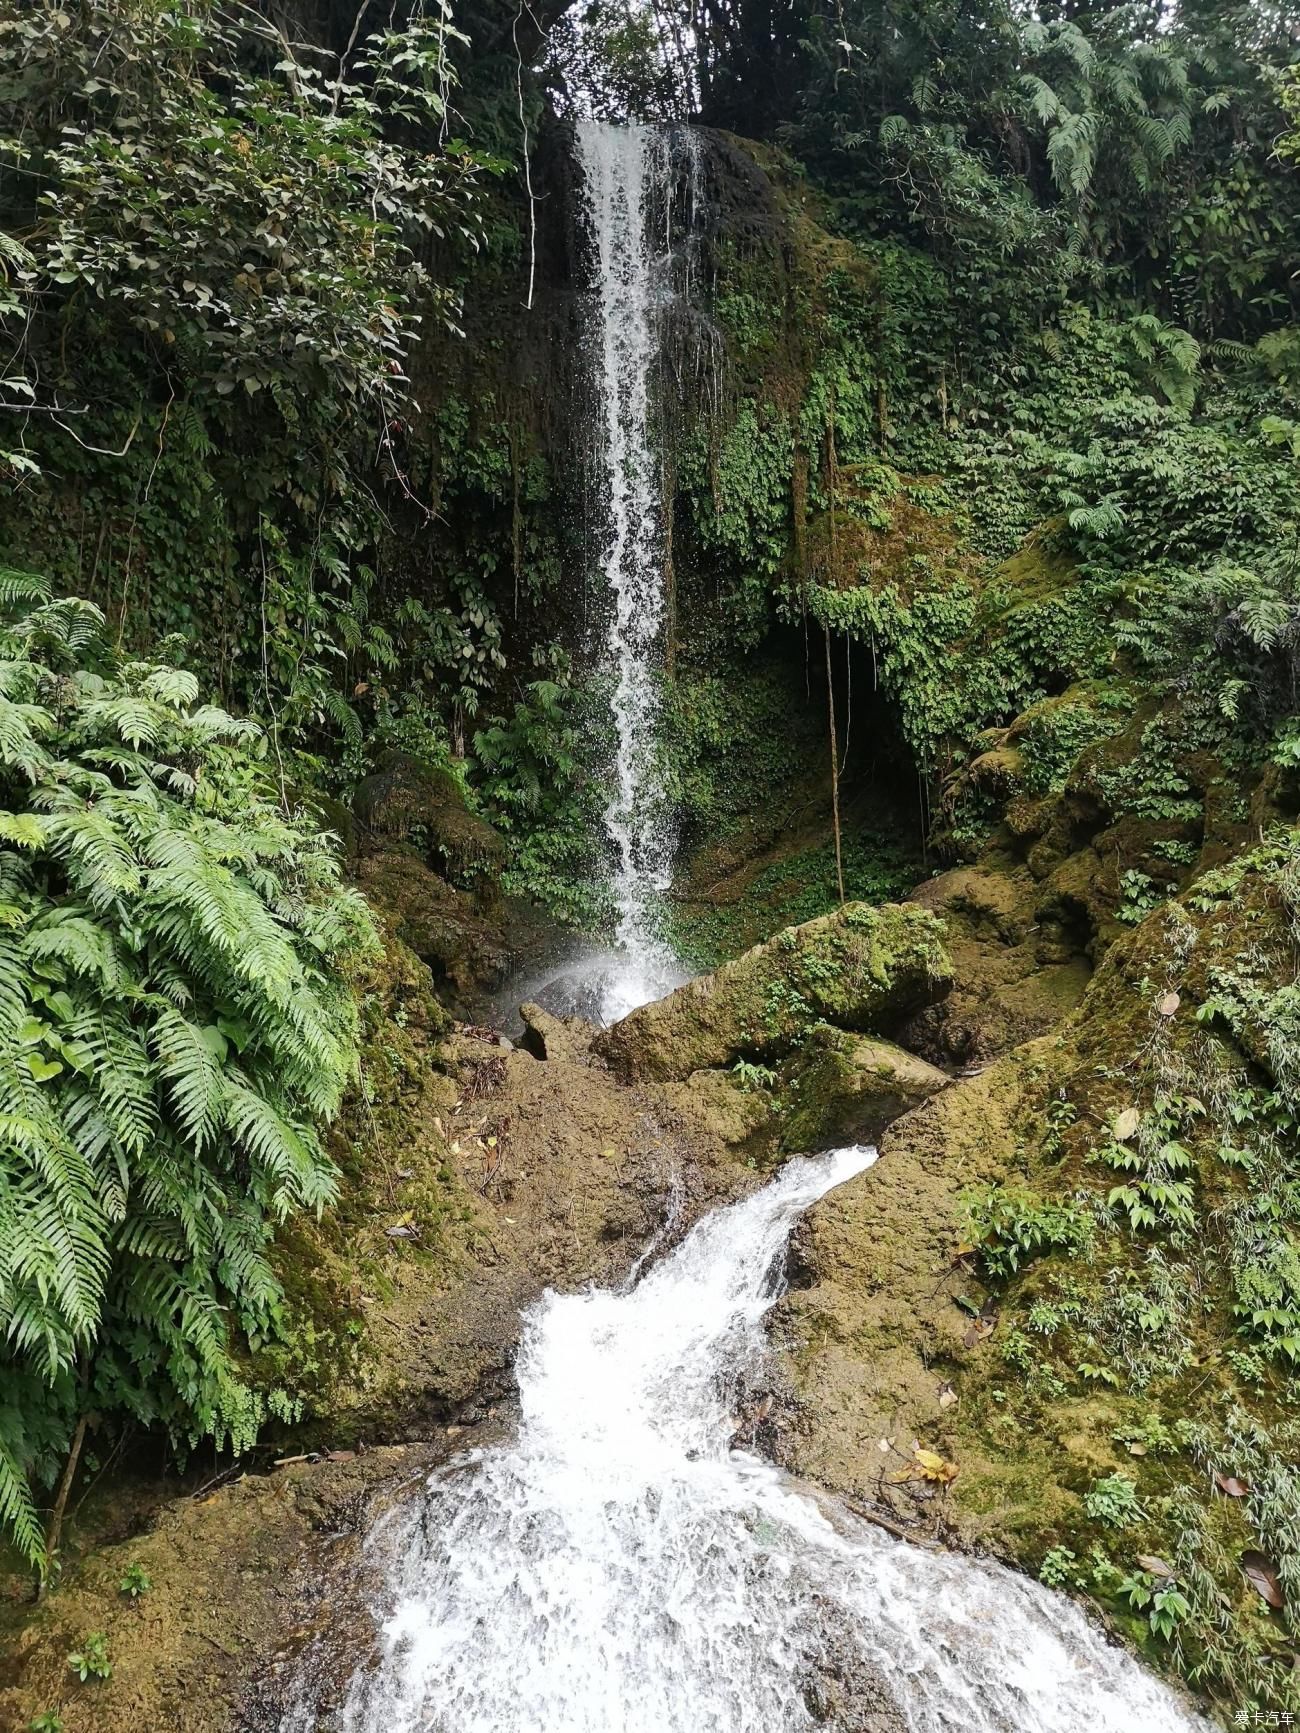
<point x="1185" y="1317"/>
<point x="860" y="968"/>
<point x="394" y="1170"/>
<point x="841" y="1088"/>
<point x="785" y="892"/>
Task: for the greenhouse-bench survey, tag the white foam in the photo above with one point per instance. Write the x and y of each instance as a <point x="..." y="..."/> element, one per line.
<point x="621" y="1568"/>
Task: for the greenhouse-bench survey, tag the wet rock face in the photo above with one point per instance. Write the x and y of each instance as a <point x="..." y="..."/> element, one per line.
<point x="861" y="968"/>
<point x="845" y="1693"/>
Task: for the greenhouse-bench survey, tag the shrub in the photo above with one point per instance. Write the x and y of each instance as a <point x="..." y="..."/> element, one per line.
<point x="1113" y="1501"/>
<point x="91" y="1660"/>
<point x="174" y="1019"/>
<point x="1011" y="1228"/>
<point x="136" y="1581"/>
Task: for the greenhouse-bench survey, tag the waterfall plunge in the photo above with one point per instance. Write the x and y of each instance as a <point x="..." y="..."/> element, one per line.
<point x="623" y="168"/>
<point x="621" y="1568"/>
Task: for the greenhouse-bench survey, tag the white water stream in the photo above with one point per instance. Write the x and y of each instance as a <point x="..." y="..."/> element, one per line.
<point x="623" y="168"/>
<point x="620" y="1568"/>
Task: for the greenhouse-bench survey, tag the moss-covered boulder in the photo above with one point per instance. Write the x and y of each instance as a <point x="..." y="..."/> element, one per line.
<point x="847" y="1088"/>
<point x="445" y="927"/>
<point x="861" y="968"/>
<point x="406" y="801"/>
<point x="1019" y="967"/>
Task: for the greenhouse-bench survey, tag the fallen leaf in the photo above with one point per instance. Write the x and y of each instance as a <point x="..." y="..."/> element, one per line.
<point x="1137" y="1449"/>
<point x="1126" y="1125"/>
<point x="962" y="1252"/>
<point x="948" y="1397"/>
<point x="1156" y="1567"/>
<point x="1229" y="1484"/>
<point x="977" y="1331"/>
<point x="402" y="1233"/>
<point x="928" y="1465"/>
<point x="1262" y="1577"/>
<point x="884" y="1447"/>
<point x="340" y="1455"/>
<point x="1169" y="1004"/>
<point x="934" y="1466"/>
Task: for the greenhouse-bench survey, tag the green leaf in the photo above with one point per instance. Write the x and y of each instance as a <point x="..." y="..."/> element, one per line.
<point x="42" y="1069"/>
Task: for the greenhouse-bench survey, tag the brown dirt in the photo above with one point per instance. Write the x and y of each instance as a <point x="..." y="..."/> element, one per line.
<point x="229" y="1573"/>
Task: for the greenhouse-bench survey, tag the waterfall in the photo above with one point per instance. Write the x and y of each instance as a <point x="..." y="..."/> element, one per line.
<point x="623" y="1567"/>
<point x="625" y="171"/>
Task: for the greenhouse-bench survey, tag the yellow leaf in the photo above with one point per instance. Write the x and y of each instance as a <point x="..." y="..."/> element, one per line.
<point x="931" y="1466"/>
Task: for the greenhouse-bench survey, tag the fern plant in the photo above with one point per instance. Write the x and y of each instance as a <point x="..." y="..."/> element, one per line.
<point x="175" y="1022"/>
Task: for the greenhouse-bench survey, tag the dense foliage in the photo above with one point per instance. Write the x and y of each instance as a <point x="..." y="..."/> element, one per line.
<point x="987" y="416"/>
<point x="218" y="250"/>
<point x="175" y="1021"/>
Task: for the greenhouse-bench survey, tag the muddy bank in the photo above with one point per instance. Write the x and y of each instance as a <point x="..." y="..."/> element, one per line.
<point x="237" y="1575"/>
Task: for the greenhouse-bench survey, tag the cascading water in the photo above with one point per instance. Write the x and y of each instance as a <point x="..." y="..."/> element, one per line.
<point x="621" y="1568"/>
<point x="622" y="169"/>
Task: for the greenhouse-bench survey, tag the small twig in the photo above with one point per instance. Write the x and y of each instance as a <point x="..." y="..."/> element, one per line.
<point x="899" y="1530"/>
<point x="101" y="450"/>
<point x="219" y="1478"/>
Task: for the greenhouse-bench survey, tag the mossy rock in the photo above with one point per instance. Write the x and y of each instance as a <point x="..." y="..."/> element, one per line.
<point x="404" y="800"/>
<point x="1019" y="969"/>
<point x="1035" y="573"/>
<point x="846" y="1088"/>
<point x="861" y="968"/>
<point x="443" y="926"/>
<point x="1125" y="1355"/>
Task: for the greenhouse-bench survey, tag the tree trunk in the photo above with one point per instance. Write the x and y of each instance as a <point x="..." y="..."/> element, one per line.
<point x="54" y="1533"/>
